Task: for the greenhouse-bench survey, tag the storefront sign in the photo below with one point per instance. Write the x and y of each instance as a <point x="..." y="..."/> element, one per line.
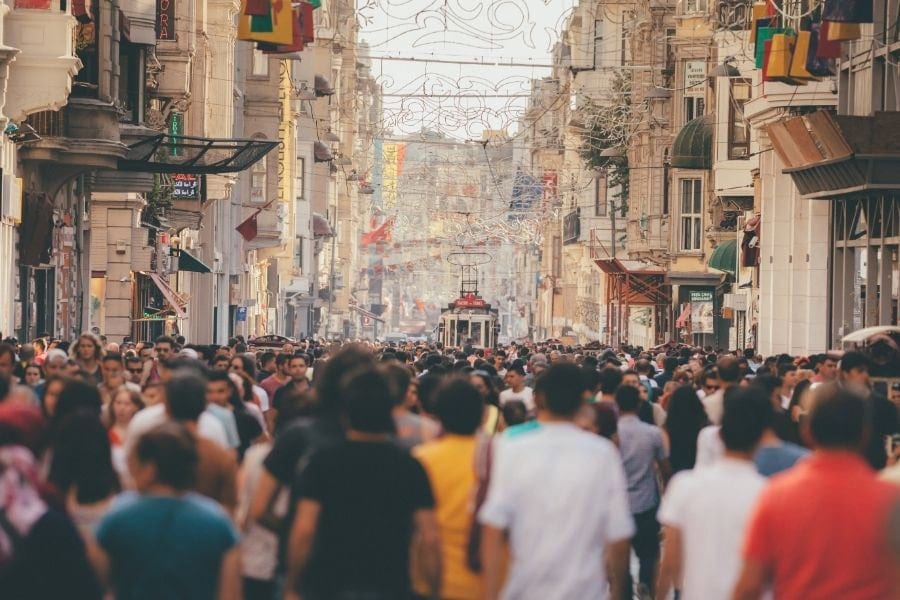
<point x="240" y="314"/>
<point x="701" y="311"/>
<point x="165" y="20"/>
<point x="694" y="78"/>
<point x="185" y="186"/>
<point x="470" y="301"/>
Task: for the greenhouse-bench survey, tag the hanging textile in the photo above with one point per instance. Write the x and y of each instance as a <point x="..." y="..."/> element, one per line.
<point x="258" y="28"/>
<point x="257" y="8"/>
<point x="800" y="58"/>
<point x="764" y="35"/>
<point x="781" y="53"/>
<point x="759" y="11"/>
<point x="824" y="47"/>
<point x="848" y="11"/>
<point x="843" y="32"/>
<point x="295" y="46"/>
<point x="249" y="229"/>
<point x="750" y="242"/>
<point x="816" y="64"/>
<point x="307" y="22"/>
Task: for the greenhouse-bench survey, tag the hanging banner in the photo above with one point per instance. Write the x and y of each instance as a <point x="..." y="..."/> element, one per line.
<point x="282" y="26"/>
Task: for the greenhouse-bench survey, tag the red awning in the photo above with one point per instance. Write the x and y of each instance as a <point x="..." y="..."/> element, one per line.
<point x="682" y="321"/>
<point x="170" y="295"/>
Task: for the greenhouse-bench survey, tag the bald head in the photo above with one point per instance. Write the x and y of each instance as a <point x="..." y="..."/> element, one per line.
<point x="729" y="370"/>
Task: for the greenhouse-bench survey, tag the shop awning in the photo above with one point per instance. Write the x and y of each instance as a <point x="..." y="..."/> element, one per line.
<point x="321" y="153"/>
<point x="693" y="145"/>
<point x="724" y="257"/>
<point x="166" y="153"/>
<point x="172" y="297"/>
<point x="189" y="262"/>
<point x="322" y="86"/>
<point x="321" y="226"/>
<point x="831" y="156"/>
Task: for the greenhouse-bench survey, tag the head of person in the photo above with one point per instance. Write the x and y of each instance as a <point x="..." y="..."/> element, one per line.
<point x="729" y="371"/>
<point x="219" y="388"/>
<point x="164" y="347"/>
<point x="164" y="457"/>
<point x="561" y="390"/>
<point x="609" y="380"/>
<point x="515" y="376"/>
<point x="428" y="386"/>
<point x="628" y="398"/>
<point x="243" y="386"/>
<point x="514" y="412"/>
<point x="220" y="363"/>
<point x="186" y="396"/>
<point x="840" y="419"/>
<point x="39" y="345"/>
<point x="459" y="406"/>
<point x="134" y="369"/>
<point x="53" y="387"/>
<point x="400" y="379"/>
<point x="82" y="459"/>
<point x="827" y="367"/>
<point x="788" y="374"/>
<point x="854" y="368"/>
<point x="126" y="402"/>
<point x="281" y="364"/>
<point x="154" y="393"/>
<point x="368" y="401"/>
<point x="112" y="368"/>
<point x="267" y="361"/>
<point x="87" y="348"/>
<point x="55" y="362"/>
<point x="747" y="413"/>
<point x="7" y="360"/>
<point x="297" y="366"/>
<point x="685" y="412"/>
<point x="33" y="375"/>
<point x="77" y="395"/>
<point x="241" y="363"/>
<point x="484" y="383"/>
<point x="709" y="381"/>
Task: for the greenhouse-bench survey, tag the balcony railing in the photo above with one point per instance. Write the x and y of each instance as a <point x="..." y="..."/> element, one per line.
<point x="48" y="123"/>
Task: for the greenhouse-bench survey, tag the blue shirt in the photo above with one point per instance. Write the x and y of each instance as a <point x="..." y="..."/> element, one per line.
<point x="226" y="417"/>
<point x="166" y="547"/>
<point x="774" y="459"/>
<point x="641" y="445"/>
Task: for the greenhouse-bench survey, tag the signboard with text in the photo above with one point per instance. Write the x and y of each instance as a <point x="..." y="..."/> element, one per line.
<point x="185" y="186"/>
<point x="165" y="20"/>
<point x="701" y="311"/>
<point x="695" y="78"/>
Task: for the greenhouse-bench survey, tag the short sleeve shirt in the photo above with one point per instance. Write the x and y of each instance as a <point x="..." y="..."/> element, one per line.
<point x="368" y="494"/>
<point x="166" y="547"/>
<point x="641" y="446"/>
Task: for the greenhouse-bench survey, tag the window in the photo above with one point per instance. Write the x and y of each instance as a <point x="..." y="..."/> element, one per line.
<point x="600" y="199"/>
<point x="738" y="128"/>
<point x="694" y="6"/>
<point x="300" y="179"/>
<point x="298" y="253"/>
<point x="258" y="181"/>
<point x="557" y="256"/>
<point x="131" y="82"/>
<point x="260" y="64"/>
<point x="691" y="215"/>
<point x="694" y="106"/>
<point x="598" y="42"/>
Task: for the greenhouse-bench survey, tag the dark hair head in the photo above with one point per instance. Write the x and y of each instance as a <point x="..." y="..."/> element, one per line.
<point x="628" y="398"/>
<point x="729" y="369"/>
<point x="398" y="377"/>
<point x="113" y="356"/>
<point x="248" y="364"/>
<point x="75" y="396"/>
<point x="840" y="418"/>
<point x="82" y="459"/>
<point x="165" y="339"/>
<point x="785" y="368"/>
<point x="514" y="412"/>
<point x="281" y="359"/>
<point x="670" y="363"/>
<point x="185" y="396"/>
<point x="459" y="407"/>
<point x="561" y="389"/>
<point x="266" y="357"/>
<point x="685" y="413"/>
<point x="368" y="400"/>
<point x="516" y="368"/>
<point x="428" y="386"/>
<point x="610" y="379"/>
<point x="173" y="451"/>
<point x="7" y="349"/>
<point x="853" y="360"/>
<point x="605" y="419"/>
<point x="747" y="414"/>
<point x="328" y="377"/>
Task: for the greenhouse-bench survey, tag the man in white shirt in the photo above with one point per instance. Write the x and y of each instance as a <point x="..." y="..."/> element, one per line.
<point x="517" y="390"/>
<point x="704" y="511"/>
<point x="560" y="495"/>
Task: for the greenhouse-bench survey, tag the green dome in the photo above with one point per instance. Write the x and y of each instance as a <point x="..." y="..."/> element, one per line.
<point x="693" y="144"/>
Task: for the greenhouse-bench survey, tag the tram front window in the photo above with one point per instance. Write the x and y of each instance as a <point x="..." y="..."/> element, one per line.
<point x="477" y="334"/>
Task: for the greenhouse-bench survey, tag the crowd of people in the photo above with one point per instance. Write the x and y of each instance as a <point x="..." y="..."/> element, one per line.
<point x="362" y="471"/>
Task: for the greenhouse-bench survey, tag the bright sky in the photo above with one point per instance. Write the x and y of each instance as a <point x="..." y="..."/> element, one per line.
<point x="460" y="100"/>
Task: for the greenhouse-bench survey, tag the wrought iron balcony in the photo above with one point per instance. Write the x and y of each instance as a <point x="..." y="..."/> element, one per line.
<point x="733" y="14"/>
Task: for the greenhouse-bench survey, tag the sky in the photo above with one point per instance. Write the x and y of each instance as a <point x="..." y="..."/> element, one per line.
<point x="415" y="46"/>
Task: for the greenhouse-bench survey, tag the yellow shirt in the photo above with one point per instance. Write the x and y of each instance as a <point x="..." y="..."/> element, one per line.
<point x="449" y="462"/>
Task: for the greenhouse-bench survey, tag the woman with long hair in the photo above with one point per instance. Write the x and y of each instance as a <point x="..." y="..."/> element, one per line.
<point x="684" y="420"/>
<point x="126" y="402"/>
<point x="243" y="365"/>
<point x="249" y="428"/>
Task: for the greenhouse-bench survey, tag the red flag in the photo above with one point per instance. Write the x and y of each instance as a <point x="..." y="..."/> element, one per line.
<point x="248" y="229"/>
<point x="306" y="23"/>
<point x="379" y="234"/>
<point x="257" y="8"/>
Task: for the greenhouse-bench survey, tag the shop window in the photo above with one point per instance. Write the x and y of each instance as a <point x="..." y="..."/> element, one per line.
<point x="738" y="127"/>
<point x="691" y="217"/>
<point x="131" y="82"/>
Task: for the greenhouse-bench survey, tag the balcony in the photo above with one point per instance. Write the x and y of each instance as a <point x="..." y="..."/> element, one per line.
<point x="40" y="78"/>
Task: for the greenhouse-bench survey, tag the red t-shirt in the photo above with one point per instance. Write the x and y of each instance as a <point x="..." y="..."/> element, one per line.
<point x="820" y="530"/>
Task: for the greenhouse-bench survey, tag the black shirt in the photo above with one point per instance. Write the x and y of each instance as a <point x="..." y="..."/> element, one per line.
<point x="368" y="493"/>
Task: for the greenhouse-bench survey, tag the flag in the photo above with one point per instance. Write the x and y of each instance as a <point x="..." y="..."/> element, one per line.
<point x="275" y="28"/>
<point x="257" y="8"/>
<point x="379" y="234"/>
<point x="248" y="229"/>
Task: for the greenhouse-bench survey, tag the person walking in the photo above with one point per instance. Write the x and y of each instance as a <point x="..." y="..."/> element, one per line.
<point x="837" y="546"/>
<point x="704" y="511"/>
<point x="643" y="452"/>
<point x="556" y="478"/>
<point x="361" y="505"/>
<point x="450" y="465"/>
<point x="685" y="418"/>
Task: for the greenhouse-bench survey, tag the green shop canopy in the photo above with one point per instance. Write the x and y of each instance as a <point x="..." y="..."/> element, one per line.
<point x="724" y="257"/>
<point x="693" y="144"/>
<point x="189" y="262"/>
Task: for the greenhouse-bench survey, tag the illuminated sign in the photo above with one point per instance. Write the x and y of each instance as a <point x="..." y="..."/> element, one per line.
<point x="165" y="20"/>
